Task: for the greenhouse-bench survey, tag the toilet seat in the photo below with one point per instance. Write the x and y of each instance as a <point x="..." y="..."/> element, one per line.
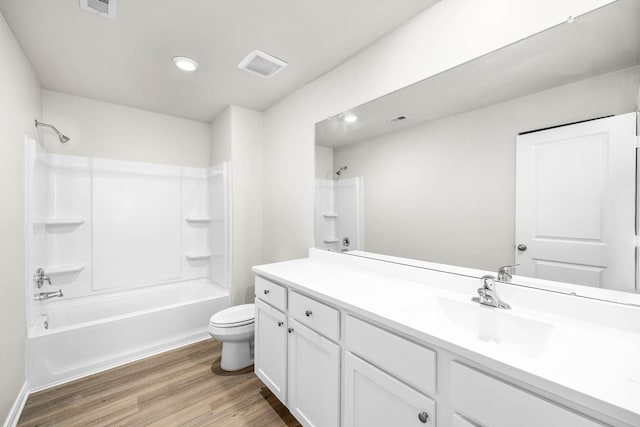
<point x="233" y="317"/>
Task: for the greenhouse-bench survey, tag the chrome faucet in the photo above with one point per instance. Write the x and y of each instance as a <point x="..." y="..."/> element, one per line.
<point x="505" y="274"/>
<point x="46" y="295"/>
<point x="40" y="277"/>
<point x="487" y="294"/>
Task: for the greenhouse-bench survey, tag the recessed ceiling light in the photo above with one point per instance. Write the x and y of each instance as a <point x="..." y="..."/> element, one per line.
<point x="185" y="64"/>
<point x="350" y="118"/>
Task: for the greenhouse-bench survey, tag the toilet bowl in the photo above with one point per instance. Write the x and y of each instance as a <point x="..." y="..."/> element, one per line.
<point x="234" y="327"/>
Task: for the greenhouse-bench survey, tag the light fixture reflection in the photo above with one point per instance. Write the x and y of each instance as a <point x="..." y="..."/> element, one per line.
<point x="186" y="64"/>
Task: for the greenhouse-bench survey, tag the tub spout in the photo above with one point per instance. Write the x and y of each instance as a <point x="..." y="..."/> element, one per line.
<point x="46" y="295"/>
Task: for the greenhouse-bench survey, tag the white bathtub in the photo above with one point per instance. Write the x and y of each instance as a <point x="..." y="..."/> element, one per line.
<point x="79" y="337"/>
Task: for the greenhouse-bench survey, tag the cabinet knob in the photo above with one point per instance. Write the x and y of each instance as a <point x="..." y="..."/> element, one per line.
<point x="522" y="247"/>
<point x="280" y="323"/>
<point x="423" y="417"/>
<point x="308" y="313"/>
<point x="266" y="291"/>
<point x="290" y="330"/>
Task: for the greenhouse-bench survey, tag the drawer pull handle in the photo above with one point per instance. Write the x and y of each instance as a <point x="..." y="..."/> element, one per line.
<point x="308" y="313"/>
<point x="280" y="323"/>
<point x="266" y="291"/>
<point x="290" y="330"/>
<point x="423" y="417"/>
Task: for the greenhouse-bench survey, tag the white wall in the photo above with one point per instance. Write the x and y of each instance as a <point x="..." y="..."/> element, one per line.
<point x="449" y="33"/>
<point x="246" y="160"/>
<point x="20" y="104"/>
<point x="101" y="129"/>
<point x="324" y="163"/>
<point x="445" y="191"/>
<point x="221" y="138"/>
<point x="237" y="137"/>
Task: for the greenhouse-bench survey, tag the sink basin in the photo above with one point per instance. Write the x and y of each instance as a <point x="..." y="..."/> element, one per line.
<point x="488" y="324"/>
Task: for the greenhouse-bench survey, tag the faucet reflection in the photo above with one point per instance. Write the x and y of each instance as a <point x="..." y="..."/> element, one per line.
<point x="487" y="294"/>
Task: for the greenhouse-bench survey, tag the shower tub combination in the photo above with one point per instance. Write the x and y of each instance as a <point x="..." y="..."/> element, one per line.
<point x="72" y="339"/>
<point x="140" y="251"/>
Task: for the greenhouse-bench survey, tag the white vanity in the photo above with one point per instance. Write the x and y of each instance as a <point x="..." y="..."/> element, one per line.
<point x="353" y="341"/>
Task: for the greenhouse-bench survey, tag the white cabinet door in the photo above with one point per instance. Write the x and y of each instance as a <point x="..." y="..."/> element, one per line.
<point x="314" y="377"/>
<point x="374" y="398"/>
<point x="271" y="349"/>
<point x="575" y="203"/>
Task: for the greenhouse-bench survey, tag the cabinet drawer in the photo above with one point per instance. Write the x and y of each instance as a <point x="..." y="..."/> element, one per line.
<point x="271" y="293"/>
<point x="412" y="363"/>
<point x="491" y="402"/>
<point x="316" y="315"/>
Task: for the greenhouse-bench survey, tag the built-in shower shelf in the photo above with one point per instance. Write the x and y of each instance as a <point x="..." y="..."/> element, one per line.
<point x="330" y="214"/>
<point x="330" y="240"/>
<point x="62" y="269"/>
<point x="62" y="222"/>
<point x="198" y="219"/>
<point x="198" y="255"/>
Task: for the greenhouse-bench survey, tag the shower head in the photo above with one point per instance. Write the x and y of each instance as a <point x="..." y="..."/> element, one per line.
<point x="342" y="169"/>
<point x="61" y="137"/>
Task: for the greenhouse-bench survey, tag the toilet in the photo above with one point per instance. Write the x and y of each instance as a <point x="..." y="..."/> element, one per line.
<point x="234" y="327"/>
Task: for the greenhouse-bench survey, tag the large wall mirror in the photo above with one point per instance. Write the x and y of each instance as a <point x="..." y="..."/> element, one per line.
<point x="523" y="156"/>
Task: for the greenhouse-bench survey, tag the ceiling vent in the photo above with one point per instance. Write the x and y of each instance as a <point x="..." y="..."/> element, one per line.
<point x="262" y="64"/>
<point x="106" y="8"/>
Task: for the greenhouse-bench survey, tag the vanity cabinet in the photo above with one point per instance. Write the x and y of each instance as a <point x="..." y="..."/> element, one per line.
<point x="296" y="353"/>
<point x="333" y="363"/>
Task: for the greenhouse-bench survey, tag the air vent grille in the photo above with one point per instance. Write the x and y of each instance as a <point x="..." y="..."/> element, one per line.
<point x="262" y="64"/>
<point x="106" y="8"/>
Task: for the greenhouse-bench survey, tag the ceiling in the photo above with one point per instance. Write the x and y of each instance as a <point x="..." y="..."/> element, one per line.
<point x="599" y="42"/>
<point x="128" y="61"/>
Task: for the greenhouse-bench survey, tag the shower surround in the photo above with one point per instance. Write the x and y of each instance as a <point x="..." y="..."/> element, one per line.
<point x="140" y="251"/>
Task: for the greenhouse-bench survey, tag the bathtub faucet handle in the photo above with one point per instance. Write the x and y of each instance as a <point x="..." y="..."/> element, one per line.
<point x="40" y="277"/>
<point x="42" y="296"/>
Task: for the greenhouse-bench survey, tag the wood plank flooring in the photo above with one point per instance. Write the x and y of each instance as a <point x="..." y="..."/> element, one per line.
<point x="182" y="387"/>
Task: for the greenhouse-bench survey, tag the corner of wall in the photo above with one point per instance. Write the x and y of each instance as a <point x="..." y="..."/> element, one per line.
<point x="20" y="104"/>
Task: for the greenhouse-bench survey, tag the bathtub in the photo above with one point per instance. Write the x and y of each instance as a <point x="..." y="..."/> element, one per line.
<point x="80" y="337"/>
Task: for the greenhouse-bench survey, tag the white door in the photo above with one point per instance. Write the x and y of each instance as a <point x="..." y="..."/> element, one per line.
<point x="270" y="361"/>
<point x="575" y="203"/>
<point x="314" y="377"/>
<point x="376" y="399"/>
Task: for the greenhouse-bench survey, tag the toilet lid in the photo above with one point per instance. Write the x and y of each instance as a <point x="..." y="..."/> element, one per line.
<point x="238" y="315"/>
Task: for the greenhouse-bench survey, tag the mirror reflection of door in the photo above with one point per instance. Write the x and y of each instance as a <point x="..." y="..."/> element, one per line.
<point x="576" y="203"/>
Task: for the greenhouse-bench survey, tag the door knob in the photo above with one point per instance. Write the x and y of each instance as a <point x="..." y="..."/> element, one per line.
<point x="522" y="247"/>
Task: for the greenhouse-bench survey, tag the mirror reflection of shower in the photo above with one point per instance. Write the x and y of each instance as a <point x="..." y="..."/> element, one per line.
<point x="63" y="138"/>
<point x="341" y="170"/>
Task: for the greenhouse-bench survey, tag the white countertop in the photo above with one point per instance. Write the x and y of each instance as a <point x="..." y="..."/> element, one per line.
<point x="590" y="362"/>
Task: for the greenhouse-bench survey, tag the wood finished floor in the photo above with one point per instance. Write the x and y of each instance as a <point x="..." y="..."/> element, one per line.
<point x="183" y="387"/>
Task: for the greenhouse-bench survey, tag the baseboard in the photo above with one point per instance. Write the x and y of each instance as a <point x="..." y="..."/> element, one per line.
<point x="16" y="410"/>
